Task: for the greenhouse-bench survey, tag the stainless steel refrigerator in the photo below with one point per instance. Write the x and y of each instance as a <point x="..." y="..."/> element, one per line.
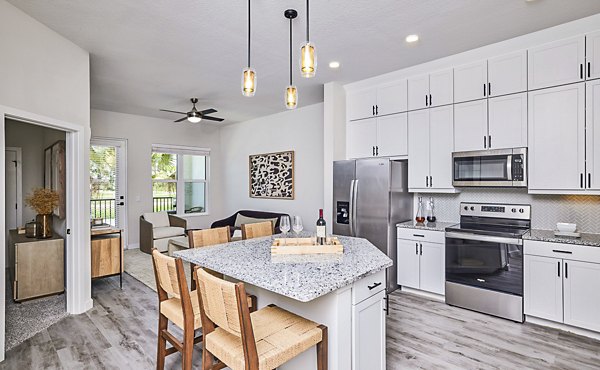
<point x="370" y="196"/>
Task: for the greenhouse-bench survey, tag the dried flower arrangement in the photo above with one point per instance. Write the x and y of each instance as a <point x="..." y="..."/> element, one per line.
<point x="42" y="200"/>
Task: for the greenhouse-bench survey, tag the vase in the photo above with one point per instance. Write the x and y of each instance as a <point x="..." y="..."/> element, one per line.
<point x="44" y="226"/>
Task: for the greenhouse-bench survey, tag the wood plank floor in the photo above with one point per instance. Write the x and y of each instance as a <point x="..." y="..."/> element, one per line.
<point x="119" y="333"/>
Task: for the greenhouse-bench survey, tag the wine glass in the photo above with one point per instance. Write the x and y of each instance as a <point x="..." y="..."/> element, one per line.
<point x="297" y="226"/>
<point x="284" y="226"/>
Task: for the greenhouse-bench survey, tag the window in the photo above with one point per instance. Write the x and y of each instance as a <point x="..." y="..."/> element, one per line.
<point x="179" y="177"/>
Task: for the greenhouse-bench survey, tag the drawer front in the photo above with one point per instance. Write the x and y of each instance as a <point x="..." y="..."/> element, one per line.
<point x="368" y="286"/>
<point x="421" y="235"/>
<point x="564" y="251"/>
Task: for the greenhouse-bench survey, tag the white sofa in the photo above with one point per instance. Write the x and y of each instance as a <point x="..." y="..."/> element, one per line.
<point x="157" y="228"/>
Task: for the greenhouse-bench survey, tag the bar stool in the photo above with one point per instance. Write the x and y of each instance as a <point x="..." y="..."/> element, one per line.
<point x="257" y="230"/>
<point x="240" y="340"/>
<point x="176" y="305"/>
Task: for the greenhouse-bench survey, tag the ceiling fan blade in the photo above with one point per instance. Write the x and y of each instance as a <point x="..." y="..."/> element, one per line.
<point x="172" y="111"/>
<point x="181" y="119"/>
<point x="208" y="111"/>
<point x="213" y="118"/>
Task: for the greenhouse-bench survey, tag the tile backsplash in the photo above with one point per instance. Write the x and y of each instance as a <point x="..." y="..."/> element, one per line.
<point x="546" y="210"/>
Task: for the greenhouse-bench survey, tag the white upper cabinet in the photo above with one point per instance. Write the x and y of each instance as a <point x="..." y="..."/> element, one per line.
<point x="556" y="139"/>
<point x="418" y="149"/>
<point x="470" y="82"/>
<point x="507" y="74"/>
<point x="391" y="98"/>
<point x="441" y="90"/>
<point x="361" y="104"/>
<point x="592" y="54"/>
<point x="418" y="92"/>
<point x="593" y="135"/>
<point x="557" y="63"/>
<point x="392" y="135"/>
<point x="507" y="121"/>
<point x="441" y="146"/>
<point x="362" y="138"/>
<point x="470" y="126"/>
<point x="582" y="294"/>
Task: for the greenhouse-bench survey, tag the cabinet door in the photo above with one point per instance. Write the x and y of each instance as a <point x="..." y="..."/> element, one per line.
<point x="470" y="81"/>
<point x="441" y="146"/>
<point x="507" y="74"/>
<point x="507" y="121"/>
<point x="557" y="63"/>
<point x="408" y="263"/>
<point x="368" y="333"/>
<point x="543" y="289"/>
<point x="361" y="104"/>
<point x="470" y="126"/>
<point x="418" y="149"/>
<point x="557" y="121"/>
<point x="593" y="135"/>
<point x="592" y="54"/>
<point x="432" y="267"/>
<point x="441" y="88"/>
<point x="392" y="98"/>
<point x="392" y="135"/>
<point x="362" y="138"/>
<point x="418" y="92"/>
<point x="582" y="294"/>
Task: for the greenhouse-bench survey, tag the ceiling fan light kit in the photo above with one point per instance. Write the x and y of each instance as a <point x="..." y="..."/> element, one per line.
<point x="291" y="92"/>
<point x="195" y="116"/>
<point x="248" y="74"/>
<point x="308" y="52"/>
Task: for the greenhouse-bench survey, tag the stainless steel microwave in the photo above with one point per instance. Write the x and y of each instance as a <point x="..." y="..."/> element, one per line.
<point x="490" y="168"/>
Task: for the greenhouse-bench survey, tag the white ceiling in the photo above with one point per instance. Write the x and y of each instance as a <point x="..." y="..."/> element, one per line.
<point x="151" y="54"/>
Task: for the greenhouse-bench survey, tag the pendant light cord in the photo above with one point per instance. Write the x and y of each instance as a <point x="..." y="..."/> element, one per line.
<point x="307" y="28"/>
<point x="248" y="33"/>
<point x="290" y="51"/>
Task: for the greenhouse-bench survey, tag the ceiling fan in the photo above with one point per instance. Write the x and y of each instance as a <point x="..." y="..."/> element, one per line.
<point x="195" y="115"/>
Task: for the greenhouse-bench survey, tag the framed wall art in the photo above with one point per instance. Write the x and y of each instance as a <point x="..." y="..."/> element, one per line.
<point x="272" y="175"/>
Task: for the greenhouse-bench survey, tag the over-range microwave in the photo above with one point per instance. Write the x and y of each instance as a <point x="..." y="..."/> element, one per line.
<point x="490" y="168"/>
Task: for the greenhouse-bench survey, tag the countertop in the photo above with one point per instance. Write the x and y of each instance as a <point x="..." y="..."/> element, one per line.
<point x="587" y="239"/>
<point x="433" y="226"/>
<point x="302" y="277"/>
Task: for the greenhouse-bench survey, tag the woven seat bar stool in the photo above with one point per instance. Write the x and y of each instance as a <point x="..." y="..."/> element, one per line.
<point x="257" y="230"/>
<point x="178" y="305"/>
<point x="262" y="340"/>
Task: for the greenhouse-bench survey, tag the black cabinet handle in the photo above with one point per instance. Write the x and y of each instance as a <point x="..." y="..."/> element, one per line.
<point x="581" y="71"/>
<point x="373" y="148"/>
<point x="426" y="181"/>
<point x="589" y="69"/>
<point x="421" y="245"/>
<point x="581" y="180"/>
<point x="431" y="181"/>
<point x="566" y="270"/>
<point x="484" y="142"/>
<point x="419" y="235"/>
<point x="426" y="100"/>
<point x="589" y="180"/>
<point x="417" y="248"/>
<point x="559" y="251"/>
<point x="430" y="100"/>
<point x="371" y="287"/>
<point x="489" y="88"/>
<point x="490" y="141"/>
<point x="376" y="110"/>
<point x="373" y="107"/>
<point x="484" y="89"/>
<point x="377" y="150"/>
<point x="558" y="268"/>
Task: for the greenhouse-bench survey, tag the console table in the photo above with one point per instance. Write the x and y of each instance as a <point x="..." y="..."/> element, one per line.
<point x="37" y="266"/>
<point x="107" y="253"/>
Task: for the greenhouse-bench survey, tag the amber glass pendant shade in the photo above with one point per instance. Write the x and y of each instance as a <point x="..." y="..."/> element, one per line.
<point x="291" y="97"/>
<point x="248" y="82"/>
<point x="308" y="60"/>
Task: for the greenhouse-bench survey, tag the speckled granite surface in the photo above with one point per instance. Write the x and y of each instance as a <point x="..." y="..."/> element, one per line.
<point x="435" y="226"/>
<point x="590" y="240"/>
<point x="303" y="277"/>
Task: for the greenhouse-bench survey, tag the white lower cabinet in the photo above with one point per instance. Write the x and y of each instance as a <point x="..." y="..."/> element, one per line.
<point x="421" y="260"/>
<point x="559" y="286"/>
<point x="368" y="333"/>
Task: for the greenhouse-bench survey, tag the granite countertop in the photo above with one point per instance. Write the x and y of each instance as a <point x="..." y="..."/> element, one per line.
<point x="433" y="226"/>
<point x="590" y="240"/>
<point x="302" y="277"/>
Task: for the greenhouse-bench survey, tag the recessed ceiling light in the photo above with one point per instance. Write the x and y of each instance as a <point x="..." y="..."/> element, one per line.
<point x="412" y="38"/>
<point x="334" y="65"/>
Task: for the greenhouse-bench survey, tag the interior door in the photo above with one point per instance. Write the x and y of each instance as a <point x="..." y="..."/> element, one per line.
<point x="507" y="74"/>
<point x="372" y="189"/>
<point x="12" y="189"/>
<point x="593" y="135"/>
<point x="108" y="182"/>
<point x="392" y="135"/>
<point x="556" y="63"/>
<point x="362" y="138"/>
<point x="507" y="121"/>
<point x="418" y="92"/>
<point x="441" y="146"/>
<point x="582" y="294"/>
<point x="441" y="88"/>
<point x="432" y="267"/>
<point x="418" y="149"/>
<point x="543" y="287"/>
<point x="592" y="54"/>
<point x="470" y="81"/>
<point x="470" y="126"/>
<point x="408" y="263"/>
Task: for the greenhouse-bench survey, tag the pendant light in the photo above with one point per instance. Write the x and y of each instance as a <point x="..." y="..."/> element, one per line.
<point x="248" y="74"/>
<point x="308" y="53"/>
<point x="291" y="92"/>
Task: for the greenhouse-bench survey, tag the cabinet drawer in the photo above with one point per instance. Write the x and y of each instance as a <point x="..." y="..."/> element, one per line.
<point x="368" y="286"/>
<point x="421" y="235"/>
<point x="563" y="251"/>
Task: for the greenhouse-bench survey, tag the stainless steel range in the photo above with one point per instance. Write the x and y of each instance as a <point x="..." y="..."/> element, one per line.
<point x="484" y="259"/>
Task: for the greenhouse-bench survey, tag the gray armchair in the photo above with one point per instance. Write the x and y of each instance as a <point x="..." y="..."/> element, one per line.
<point x="157" y="228"/>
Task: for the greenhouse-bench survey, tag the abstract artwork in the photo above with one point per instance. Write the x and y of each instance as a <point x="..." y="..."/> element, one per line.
<point x="272" y="175"/>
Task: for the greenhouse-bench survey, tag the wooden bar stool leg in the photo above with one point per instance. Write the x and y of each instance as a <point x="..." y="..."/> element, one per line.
<point x="188" y="348"/>
<point x="161" y="352"/>
<point x="207" y="359"/>
<point x="322" y="350"/>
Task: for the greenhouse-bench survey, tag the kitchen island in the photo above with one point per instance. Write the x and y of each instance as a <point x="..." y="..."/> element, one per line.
<point x="345" y="292"/>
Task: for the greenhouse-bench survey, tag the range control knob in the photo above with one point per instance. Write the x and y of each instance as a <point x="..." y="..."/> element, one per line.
<point x="466" y="208"/>
<point x="521" y="210"/>
<point x="472" y="208"/>
<point x="514" y="210"/>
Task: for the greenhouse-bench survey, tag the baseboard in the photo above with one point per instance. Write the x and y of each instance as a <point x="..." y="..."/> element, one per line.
<point x="422" y="293"/>
<point x="563" y="327"/>
<point x="132" y="246"/>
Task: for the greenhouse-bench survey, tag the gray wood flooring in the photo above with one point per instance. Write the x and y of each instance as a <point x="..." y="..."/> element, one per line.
<point x="119" y="333"/>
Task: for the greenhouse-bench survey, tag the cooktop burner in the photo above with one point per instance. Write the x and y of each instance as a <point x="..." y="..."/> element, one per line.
<point x="506" y="220"/>
<point x="495" y="230"/>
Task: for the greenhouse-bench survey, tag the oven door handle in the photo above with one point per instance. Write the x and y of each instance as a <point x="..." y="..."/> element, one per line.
<point x="483" y="238"/>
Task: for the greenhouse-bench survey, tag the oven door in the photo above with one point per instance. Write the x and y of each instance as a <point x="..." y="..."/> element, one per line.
<point x="482" y="261"/>
<point x="485" y="168"/>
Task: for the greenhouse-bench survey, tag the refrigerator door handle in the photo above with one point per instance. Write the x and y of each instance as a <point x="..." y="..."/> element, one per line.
<point x="354" y="226"/>
<point x="351" y="208"/>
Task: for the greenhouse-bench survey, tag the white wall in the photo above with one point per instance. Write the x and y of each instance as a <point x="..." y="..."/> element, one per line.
<point x="141" y="132"/>
<point x="300" y="130"/>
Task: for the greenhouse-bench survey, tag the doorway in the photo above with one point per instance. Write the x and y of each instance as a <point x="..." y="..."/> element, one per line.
<point x="14" y="196"/>
<point x="108" y="182"/>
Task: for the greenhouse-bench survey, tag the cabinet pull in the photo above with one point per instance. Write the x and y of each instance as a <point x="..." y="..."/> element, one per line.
<point x="376" y="110"/>
<point x="581" y="180"/>
<point x="377" y="150"/>
<point x="426" y="100"/>
<point x="419" y="235"/>
<point x="581" y="71"/>
<point x="558" y="268"/>
<point x="421" y="245"/>
<point x="416" y="248"/>
<point x="484" y="89"/>
<point x="431" y="181"/>
<point x="426" y="181"/>
<point x="489" y="88"/>
<point x="484" y="142"/>
<point x="490" y="141"/>
<point x="589" y="180"/>
<point x="566" y="270"/>
<point x="430" y="100"/>
<point x="371" y="287"/>
<point x="589" y="69"/>
<point x="559" y="251"/>
<point x="373" y="147"/>
<point x="373" y="107"/>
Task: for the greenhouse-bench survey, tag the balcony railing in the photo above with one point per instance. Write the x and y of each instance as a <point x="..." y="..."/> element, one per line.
<point x="164" y="204"/>
<point x="107" y="208"/>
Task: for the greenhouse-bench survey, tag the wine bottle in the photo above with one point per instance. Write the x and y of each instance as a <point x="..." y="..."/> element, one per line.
<point x="321" y="229"/>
